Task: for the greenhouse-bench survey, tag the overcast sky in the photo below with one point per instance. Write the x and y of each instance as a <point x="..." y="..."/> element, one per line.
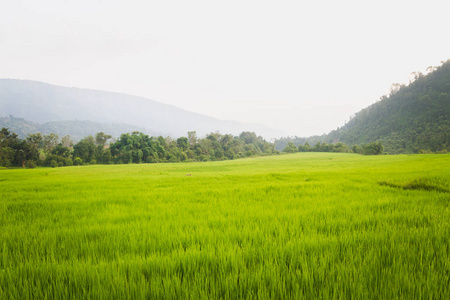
<point x="300" y="66"/>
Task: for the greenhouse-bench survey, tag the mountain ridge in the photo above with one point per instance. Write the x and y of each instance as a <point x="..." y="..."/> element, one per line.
<point x="77" y="129"/>
<point x="42" y="102"/>
<point x="411" y="119"/>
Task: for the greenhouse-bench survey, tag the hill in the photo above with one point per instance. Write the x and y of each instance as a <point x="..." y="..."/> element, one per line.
<point x="40" y="102"/>
<point x="76" y="129"/>
<point x="412" y="118"/>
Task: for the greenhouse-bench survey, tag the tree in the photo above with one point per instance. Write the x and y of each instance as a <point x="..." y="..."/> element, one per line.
<point x="6" y="151"/>
<point x="49" y="142"/>
<point x="35" y="142"/>
<point x="101" y="138"/>
<point x="443" y="98"/>
<point x="84" y="149"/>
<point x="137" y="156"/>
<point x="290" y="148"/>
<point x="375" y="148"/>
<point x="62" y="151"/>
<point x="183" y="143"/>
<point x="248" y="137"/>
<point x="13" y="151"/>
<point x="192" y="136"/>
<point x="356" y="149"/>
<point x="317" y="147"/>
<point x="77" y="161"/>
<point x="307" y="147"/>
<point x="67" y="141"/>
<point x="106" y="156"/>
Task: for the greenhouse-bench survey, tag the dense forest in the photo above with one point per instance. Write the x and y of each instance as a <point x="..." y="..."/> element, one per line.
<point x="136" y="147"/>
<point x="411" y="119"/>
<point x="51" y="151"/>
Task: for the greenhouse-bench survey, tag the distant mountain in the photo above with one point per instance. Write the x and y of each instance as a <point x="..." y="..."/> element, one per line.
<point x="40" y="102"/>
<point x="76" y="129"/>
<point x="412" y="118"/>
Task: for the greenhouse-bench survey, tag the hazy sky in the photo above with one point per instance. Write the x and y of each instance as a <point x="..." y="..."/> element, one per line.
<point x="300" y="66"/>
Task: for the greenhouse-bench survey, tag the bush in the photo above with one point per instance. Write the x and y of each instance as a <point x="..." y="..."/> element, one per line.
<point x="77" y="161"/>
<point x="30" y="164"/>
<point x="151" y="159"/>
<point x="68" y="162"/>
<point x="291" y="148"/>
<point x="373" y="148"/>
<point x="53" y="164"/>
<point x="357" y="149"/>
<point x="422" y="151"/>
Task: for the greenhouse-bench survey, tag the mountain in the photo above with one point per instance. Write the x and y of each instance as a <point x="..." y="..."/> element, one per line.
<point x="40" y="102"/>
<point x="412" y="118"/>
<point x="76" y="129"/>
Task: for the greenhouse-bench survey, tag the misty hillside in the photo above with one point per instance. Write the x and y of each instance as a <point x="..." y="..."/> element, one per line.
<point x="76" y="129"/>
<point x="42" y="103"/>
<point x="412" y="118"/>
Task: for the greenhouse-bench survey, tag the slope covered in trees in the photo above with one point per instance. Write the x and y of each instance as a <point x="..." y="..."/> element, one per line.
<point x="410" y="119"/>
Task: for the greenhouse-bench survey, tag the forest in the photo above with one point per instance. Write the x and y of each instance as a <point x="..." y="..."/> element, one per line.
<point x="413" y="118"/>
<point x="136" y="147"/>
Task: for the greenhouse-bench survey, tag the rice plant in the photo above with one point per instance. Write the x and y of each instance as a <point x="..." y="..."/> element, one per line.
<point x="307" y="225"/>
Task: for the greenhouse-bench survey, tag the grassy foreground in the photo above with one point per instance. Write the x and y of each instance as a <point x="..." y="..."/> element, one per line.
<point x="309" y="225"/>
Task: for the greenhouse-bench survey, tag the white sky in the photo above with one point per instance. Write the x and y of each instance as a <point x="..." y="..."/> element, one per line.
<point x="300" y="66"/>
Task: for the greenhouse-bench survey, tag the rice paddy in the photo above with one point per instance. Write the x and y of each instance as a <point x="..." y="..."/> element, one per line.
<point x="301" y="226"/>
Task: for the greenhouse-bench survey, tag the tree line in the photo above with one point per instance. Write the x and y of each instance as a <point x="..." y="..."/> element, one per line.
<point x="135" y="147"/>
<point x="374" y="148"/>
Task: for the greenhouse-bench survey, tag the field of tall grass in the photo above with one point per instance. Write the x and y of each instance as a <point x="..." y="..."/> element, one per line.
<point x="307" y="225"/>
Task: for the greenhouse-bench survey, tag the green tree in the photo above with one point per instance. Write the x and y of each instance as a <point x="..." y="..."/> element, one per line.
<point x="85" y="149"/>
<point x="183" y="143"/>
<point x="192" y="136"/>
<point x="101" y="138"/>
<point x="50" y="141"/>
<point x="106" y="156"/>
<point x="6" y="152"/>
<point x="356" y="149"/>
<point x="290" y="148"/>
<point x="13" y="151"/>
<point x="67" y="141"/>
<point x="307" y="147"/>
<point x="375" y="148"/>
<point x="62" y="151"/>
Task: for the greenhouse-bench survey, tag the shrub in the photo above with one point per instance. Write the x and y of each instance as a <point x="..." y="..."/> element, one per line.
<point x="68" y="161"/>
<point x="422" y="151"/>
<point x="30" y="164"/>
<point x="373" y="148"/>
<point x="77" y="161"/>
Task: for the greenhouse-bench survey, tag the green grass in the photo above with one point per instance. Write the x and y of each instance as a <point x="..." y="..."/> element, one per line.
<point x="309" y="225"/>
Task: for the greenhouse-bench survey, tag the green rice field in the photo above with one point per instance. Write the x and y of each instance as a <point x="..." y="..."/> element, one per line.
<point x="300" y="226"/>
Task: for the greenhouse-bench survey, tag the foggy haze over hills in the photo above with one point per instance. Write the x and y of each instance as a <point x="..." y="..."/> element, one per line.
<point x="303" y="67"/>
<point x="41" y="102"/>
